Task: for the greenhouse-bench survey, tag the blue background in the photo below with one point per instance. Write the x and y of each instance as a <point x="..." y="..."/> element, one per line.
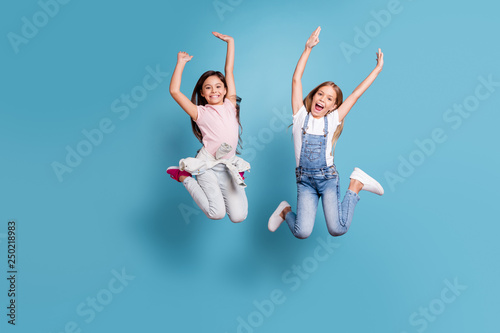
<point x="118" y="210"/>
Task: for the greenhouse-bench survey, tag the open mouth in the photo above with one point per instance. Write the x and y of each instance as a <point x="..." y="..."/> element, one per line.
<point x="318" y="107"/>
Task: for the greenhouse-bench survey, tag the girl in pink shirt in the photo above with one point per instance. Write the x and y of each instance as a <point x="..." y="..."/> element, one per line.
<point x="215" y="118"/>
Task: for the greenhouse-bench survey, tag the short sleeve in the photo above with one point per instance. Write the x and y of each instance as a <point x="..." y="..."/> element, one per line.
<point x="229" y="105"/>
<point x="301" y="114"/>
<point x="201" y="112"/>
<point x="334" y="118"/>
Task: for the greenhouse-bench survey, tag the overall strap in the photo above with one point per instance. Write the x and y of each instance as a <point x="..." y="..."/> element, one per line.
<point x="305" y="124"/>
<point x="325" y="130"/>
<point x="309" y="158"/>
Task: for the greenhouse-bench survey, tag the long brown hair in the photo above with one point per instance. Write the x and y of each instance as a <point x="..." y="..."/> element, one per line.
<point x="340" y="99"/>
<point x="198" y="99"/>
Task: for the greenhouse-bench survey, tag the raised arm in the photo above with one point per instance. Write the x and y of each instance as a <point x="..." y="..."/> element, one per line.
<point x="175" y="86"/>
<point x="231" y="88"/>
<point x="297" y="98"/>
<point x="346" y="106"/>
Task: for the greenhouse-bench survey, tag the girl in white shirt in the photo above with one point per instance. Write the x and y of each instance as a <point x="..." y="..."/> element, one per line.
<point x="317" y="123"/>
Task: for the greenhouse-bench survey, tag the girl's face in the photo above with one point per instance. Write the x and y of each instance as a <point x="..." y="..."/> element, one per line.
<point x="323" y="101"/>
<point x="213" y="90"/>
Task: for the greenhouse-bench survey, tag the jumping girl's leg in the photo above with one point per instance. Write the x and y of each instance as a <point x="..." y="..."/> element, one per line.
<point x="235" y="198"/>
<point x="338" y="215"/>
<point x="302" y="223"/>
<point x="207" y="194"/>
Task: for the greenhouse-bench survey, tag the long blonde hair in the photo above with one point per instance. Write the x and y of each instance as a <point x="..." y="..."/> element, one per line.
<point x="340" y="99"/>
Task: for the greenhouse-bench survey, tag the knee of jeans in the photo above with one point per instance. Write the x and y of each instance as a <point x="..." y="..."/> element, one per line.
<point x="336" y="232"/>
<point x="302" y="234"/>
<point x="214" y="214"/>
<point x="237" y="218"/>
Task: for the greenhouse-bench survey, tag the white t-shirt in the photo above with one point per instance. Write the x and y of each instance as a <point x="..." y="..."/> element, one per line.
<point x="316" y="127"/>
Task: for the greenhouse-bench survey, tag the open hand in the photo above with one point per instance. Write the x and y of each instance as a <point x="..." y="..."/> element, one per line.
<point x="183" y="57"/>
<point x="225" y="38"/>
<point x="314" y="39"/>
<point x="380" y="59"/>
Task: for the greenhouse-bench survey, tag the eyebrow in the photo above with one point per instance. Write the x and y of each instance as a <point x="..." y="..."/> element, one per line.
<point x="208" y="84"/>
<point x="325" y="93"/>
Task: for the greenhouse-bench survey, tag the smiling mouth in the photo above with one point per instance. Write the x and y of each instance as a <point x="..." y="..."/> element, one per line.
<point x="318" y="107"/>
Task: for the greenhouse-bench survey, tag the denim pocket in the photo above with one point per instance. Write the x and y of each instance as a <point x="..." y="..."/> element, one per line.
<point x="329" y="175"/>
<point x="312" y="150"/>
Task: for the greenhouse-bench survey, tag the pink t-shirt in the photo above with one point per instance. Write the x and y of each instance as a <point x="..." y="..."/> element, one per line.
<point x="218" y="124"/>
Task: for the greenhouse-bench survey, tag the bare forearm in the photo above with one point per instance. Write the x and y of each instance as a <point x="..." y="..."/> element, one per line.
<point x="230" y="57"/>
<point x="349" y="102"/>
<point x="301" y="65"/>
<point x="363" y="86"/>
<point x="175" y="82"/>
<point x="312" y="41"/>
<point x="297" y="81"/>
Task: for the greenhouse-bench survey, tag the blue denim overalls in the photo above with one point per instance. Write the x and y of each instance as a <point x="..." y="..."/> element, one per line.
<point x="316" y="179"/>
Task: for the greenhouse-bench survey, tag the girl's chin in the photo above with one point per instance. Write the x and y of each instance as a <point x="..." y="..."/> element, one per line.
<point x="317" y="113"/>
<point x="216" y="102"/>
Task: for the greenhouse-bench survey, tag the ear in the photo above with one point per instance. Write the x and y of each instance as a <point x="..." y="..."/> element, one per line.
<point x="334" y="107"/>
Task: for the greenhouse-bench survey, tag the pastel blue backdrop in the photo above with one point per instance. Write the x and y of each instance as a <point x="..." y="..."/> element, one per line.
<point x="117" y="213"/>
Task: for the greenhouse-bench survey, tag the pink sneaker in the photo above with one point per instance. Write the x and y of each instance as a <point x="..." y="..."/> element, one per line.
<point x="175" y="173"/>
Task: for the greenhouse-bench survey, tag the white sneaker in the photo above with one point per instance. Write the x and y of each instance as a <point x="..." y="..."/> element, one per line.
<point x="275" y="220"/>
<point x="369" y="184"/>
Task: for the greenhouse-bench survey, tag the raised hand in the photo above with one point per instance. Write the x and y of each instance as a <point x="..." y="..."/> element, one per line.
<point x="349" y="102"/>
<point x="380" y="59"/>
<point x="225" y="38"/>
<point x="314" y="38"/>
<point x="183" y="57"/>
